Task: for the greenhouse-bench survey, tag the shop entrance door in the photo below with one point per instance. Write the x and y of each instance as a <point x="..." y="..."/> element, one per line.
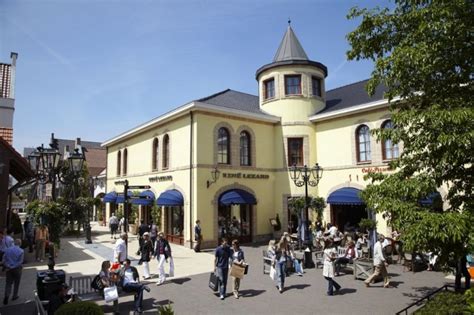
<point x="347" y="217"/>
<point x="175" y="224"/>
<point x="235" y="222"/>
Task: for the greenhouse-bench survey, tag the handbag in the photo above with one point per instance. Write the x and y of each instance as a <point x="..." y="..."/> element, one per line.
<point x="213" y="282"/>
<point x="96" y="283"/>
<point x="110" y="294"/>
<point x="246" y="269"/>
<point x="273" y="273"/>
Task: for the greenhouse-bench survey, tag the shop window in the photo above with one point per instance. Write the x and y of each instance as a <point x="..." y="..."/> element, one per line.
<point x="154" y="154"/>
<point x="245" y="148"/>
<point x="223" y="146"/>
<point x="166" y="153"/>
<point x="363" y="144"/>
<point x="316" y="85"/>
<point x="125" y="161"/>
<point x="119" y="162"/>
<point x="292" y="84"/>
<point x="295" y="151"/>
<point x="269" y="86"/>
<point x="389" y="149"/>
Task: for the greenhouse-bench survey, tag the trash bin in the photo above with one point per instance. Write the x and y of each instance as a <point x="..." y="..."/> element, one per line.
<point x="308" y="259"/>
<point x="46" y="288"/>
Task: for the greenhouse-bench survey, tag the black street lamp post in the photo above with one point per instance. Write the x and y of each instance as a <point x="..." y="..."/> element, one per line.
<point x="304" y="176"/>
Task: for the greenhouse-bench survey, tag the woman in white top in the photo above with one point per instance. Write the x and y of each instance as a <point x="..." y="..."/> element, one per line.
<point x="330" y="255"/>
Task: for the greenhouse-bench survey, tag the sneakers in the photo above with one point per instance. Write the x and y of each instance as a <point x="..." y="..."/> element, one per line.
<point x="300" y="274"/>
<point x="146" y="288"/>
<point x="367" y="284"/>
<point x="236" y="295"/>
<point x="222" y="297"/>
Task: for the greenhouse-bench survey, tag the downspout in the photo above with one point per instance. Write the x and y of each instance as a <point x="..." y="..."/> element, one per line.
<point x="191" y="151"/>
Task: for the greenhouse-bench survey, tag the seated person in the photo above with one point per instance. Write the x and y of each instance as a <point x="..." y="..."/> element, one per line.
<point x="131" y="283"/>
<point x="349" y="256"/>
<point x="104" y="273"/>
<point x="58" y="298"/>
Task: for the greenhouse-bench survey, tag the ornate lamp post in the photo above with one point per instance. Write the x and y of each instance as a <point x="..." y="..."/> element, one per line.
<point x="304" y="176"/>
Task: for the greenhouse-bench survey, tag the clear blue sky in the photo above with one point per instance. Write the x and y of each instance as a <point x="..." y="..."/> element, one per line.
<point x="96" y="68"/>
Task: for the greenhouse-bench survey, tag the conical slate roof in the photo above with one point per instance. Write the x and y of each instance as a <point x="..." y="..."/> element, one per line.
<point x="290" y="48"/>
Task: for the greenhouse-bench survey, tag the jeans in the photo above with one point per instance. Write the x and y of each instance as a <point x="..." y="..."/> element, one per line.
<point x="222" y="274"/>
<point x="13" y="277"/>
<point x="331" y="285"/>
<point x="138" y="289"/>
<point x="280" y="267"/>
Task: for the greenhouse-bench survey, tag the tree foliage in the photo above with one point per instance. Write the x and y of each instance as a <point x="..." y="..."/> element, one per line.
<point x="423" y="53"/>
<point x="48" y="213"/>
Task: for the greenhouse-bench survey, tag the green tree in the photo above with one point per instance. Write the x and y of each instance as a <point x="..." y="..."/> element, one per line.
<point x="423" y="53"/>
<point x="48" y="213"/>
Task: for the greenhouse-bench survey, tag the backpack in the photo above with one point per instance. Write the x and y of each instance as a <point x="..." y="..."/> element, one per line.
<point x="97" y="284"/>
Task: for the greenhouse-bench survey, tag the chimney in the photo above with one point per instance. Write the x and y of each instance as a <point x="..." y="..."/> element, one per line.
<point x="13" y="56"/>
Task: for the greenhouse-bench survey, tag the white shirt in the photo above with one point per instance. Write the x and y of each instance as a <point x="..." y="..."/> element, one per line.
<point x="333" y="230"/>
<point x="120" y="251"/>
<point x="378" y="254"/>
<point x="128" y="276"/>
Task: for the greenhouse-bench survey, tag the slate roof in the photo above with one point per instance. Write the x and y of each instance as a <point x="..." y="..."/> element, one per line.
<point x="235" y="100"/>
<point x="290" y="48"/>
<point x="351" y="95"/>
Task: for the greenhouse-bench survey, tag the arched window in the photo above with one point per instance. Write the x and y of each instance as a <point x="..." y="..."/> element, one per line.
<point x="363" y="144"/>
<point x="166" y="153"/>
<point x="223" y="146"/>
<point x="125" y="161"/>
<point x="389" y="149"/>
<point x="245" y="148"/>
<point x="154" y="154"/>
<point x="119" y="162"/>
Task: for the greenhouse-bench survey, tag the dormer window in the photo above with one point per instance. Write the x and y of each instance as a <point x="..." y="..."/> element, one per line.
<point x="292" y="84"/>
<point x="269" y="86"/>
<point x="316" y="85"/>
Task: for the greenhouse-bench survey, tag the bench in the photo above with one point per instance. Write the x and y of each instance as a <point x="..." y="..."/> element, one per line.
<point x="267" y="261"/>
<point x="82" y="286"/>
<point x="319" y="258"/>
<point x="40" y="305"/>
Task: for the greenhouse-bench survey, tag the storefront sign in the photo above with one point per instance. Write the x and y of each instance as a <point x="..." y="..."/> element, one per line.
<point x="376" y="169"/>
<point x="244" y="175"/>
<point x="119" y="182"/>
<point x="160" y="178"/>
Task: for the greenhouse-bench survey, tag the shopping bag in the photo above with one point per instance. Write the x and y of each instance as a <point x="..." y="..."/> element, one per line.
<point x="110" y="294"/>
<point x="171" y="273"/>
<point x="273" y="273"/>
<point x="213" y="282"/>
<point x="298" y="266"/>
<point x="237" y="271"/>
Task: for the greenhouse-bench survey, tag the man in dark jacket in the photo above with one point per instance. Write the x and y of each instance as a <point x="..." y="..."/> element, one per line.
<point x="142" y="229"/>
<point x="221" y="263"/>
<point x="131" y="283"/>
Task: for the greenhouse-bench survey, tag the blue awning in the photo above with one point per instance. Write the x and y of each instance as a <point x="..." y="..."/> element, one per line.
<point x="110" y="197"/>
<point x="170" y="198"/>
<point x="120" y="198"/>
<point x="428" y="201"/>
<point x="237" y="197"/>
<point x="146" y="198"/>
<point x="345" y="196"/>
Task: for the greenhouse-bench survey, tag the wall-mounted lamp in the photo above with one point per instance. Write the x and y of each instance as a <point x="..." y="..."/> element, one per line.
<point x="215" y="176"/>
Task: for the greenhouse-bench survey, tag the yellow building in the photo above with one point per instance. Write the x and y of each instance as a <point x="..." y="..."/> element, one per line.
<point x="225" y="159"/>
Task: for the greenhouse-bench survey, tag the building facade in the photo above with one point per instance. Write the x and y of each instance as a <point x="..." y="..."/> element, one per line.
<point x="224" y="159"/>
<point x="7" y="98"/>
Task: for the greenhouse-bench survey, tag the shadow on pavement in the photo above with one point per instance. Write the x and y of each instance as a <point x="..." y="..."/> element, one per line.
<point x="180" y="281"/>
<point x="250" y="293"/>
<point x="420" y="292"/>
<point x="297" y="286"/>
<point x="346" y="291"/>
<point x="149" y="306"/>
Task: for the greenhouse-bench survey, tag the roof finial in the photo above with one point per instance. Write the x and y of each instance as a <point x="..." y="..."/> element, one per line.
<point x="289" y="22"/>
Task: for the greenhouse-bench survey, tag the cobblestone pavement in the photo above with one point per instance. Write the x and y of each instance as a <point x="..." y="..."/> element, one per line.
<point x="188" y="291"/>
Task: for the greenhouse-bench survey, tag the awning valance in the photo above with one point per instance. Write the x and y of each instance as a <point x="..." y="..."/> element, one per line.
<point x="146" y="198"/>
<point x="345" y="196"/>
<point x="237" y="197"/>
<point x="120" y="198"/>
<point x="110" y="197"/>
<point x="170" y="198"/>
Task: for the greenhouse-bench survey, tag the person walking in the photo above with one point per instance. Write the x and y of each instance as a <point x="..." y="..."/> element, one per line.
<point x="162" y="252"/>
<point x="12" y="262"/>
<point x="237" y="259"/>
<point x="281" y="255"/>
<point x="131" y="283"/>
<point x="221" y="266"/>
<point x="141" y="230"/>
<point x="461" y="270"/>
<point x="120" y="250"/>
<point x="380" y="264"/>
<point x="153" y="232"/>
<point x="41" y="236"/>
<point x="29" y="233"/>
<point x="197" y="236"/>
<point x="146" y="252"/>
<point x="113" y="224"/>
<point x="328" y="267"/>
